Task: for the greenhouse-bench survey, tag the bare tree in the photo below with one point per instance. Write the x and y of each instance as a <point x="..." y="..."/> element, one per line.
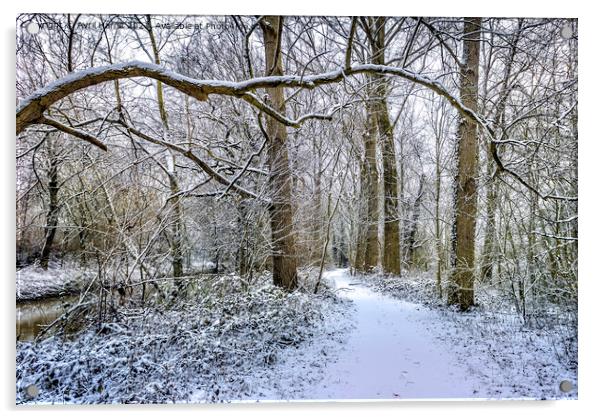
<point x="281" y="216"/>
<point x="461" y="290"/>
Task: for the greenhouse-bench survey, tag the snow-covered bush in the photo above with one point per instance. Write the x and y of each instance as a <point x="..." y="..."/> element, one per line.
<point x="206" y="349"/>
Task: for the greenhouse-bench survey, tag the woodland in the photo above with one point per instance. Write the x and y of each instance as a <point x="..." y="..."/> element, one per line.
<point x="195" y="194"/>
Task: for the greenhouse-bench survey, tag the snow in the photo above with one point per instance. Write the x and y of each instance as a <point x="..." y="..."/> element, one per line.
<point x="361" y="338"/>
<point x="239" y="88"/>
<point x="34" y="282"/>
<point x="226" y="343"/>
<point x="506" y="357"/>
<point x="390" y="355"/>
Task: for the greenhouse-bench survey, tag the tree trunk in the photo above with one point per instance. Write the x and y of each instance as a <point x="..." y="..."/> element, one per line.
<point x="360" y="244"/>
<point x="318" y="221"/>
<point x="489" y="245"/>
<point x="244" y="246"/>
<point x="177" y="258"/>
<point x="370" y="259"/>
<point x="281" y="211"/>
<point x="412" y="229"/>
<point x="357" y="228"/>
<point x="176" y="247"/>
<point x="391" y="257"/>
<point x="52" y="215"/>
<point x="438" y="233"/>
<point x="461" y="289"/>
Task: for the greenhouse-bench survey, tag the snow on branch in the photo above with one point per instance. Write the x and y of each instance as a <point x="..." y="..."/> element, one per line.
<point x="73" y="131"/>
<point x="231" y="185"/>
<point x="552" y="236"/>
<point x="31" y="109"/>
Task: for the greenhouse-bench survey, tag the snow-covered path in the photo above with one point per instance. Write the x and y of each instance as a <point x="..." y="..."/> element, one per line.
<point x="390" y="355"/>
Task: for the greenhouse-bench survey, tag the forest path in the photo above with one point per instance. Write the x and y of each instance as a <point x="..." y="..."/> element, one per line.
<point x="390" y="354"/>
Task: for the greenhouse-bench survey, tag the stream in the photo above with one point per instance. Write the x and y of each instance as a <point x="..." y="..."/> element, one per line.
<point x="34" y="315"/>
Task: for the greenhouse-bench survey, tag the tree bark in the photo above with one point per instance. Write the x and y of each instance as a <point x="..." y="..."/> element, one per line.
<point x="489" y="245"/>
<point x="360" y="241"/>
<point x="317" y="210"/>
<point x="412" y="226"/>
<point x="438" y="232"/>
<point x="281" y="212"/>
<point x="53" y="205"/>
<point x="391" y="255"/>
<point x="177" y="261"/>
<point x="370" y="258"/>
<point x="461" y="289"/>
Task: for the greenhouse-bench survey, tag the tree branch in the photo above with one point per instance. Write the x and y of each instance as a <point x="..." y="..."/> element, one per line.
<point x="72" y="131"/>
<point x="31" y="109"/>
<point x="350" y="42"/>
<point x="199" y="162"/>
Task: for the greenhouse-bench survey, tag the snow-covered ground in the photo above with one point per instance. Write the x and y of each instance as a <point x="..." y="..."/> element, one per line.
<point x="348" y="342"/>
<point x="501" y="356"/>
<point x="227" y="343"/>
<point x="390" y="355"/>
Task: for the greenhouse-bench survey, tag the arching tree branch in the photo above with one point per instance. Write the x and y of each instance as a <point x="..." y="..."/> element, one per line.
<point x="31" y="109"/>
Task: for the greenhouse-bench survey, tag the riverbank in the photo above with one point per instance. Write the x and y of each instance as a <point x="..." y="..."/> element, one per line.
<point x="229" y="343"/>
<point x="361" y="337"/>
<point x="33" y="282"/>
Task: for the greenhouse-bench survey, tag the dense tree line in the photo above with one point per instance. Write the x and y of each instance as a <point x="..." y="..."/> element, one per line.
<point x="150" y="151"/>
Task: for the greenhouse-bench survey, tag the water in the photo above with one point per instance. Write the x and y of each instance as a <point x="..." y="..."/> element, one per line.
<point x="33" y="316"/>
